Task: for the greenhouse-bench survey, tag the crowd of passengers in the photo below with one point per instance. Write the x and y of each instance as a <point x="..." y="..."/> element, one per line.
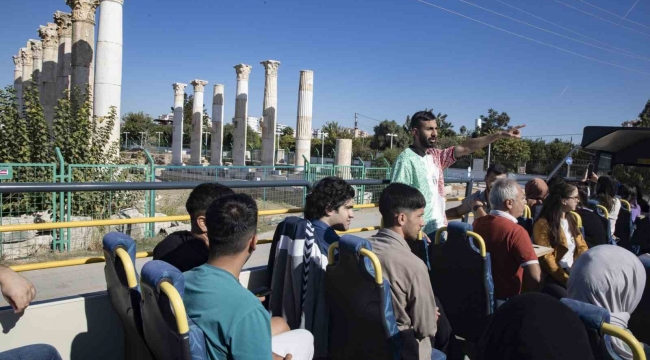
<point x="534" y="325"/>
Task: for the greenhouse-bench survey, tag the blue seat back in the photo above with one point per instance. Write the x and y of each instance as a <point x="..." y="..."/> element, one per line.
<point x="362" y="319"/>
<point x="640" y="319"/>
<point x="159" y="320"/>
<point x="125" y="298"/>
<point x="462" y="279"/>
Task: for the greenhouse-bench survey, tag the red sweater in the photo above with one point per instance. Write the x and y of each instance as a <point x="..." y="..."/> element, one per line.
<point x="510" y="247"/>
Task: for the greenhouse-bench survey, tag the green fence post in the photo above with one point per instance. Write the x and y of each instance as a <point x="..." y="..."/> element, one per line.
<point x="388" y="167"/>
<point x="363" y="177"/>
<point x="60" y="234"/>
<point x="152" y="193"/>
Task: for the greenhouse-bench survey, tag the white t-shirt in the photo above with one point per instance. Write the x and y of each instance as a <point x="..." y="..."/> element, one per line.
<point x="567" y="260"/>
<point x="613" y="215"/>
<point x="438" y="202"/>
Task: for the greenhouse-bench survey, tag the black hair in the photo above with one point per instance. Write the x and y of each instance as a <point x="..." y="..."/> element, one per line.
<point x="397" y="198"/>
<point x="232" y="221"/>
<point x="496" y="169"/>
<point x="628" y="193"/>
<point x="554" y="181"/>
<point x="203" y="195"/>
<point x="328" y="194"/>
<point x="552" y="212"/>
<point x="606" y="191"/>
<point x="419" y="117"/>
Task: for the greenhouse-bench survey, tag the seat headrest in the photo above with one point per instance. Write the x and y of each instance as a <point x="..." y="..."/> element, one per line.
<point x="645" y="260"/>
<point x="591" y="315"/>
<point x="156" y="271"/>
<point x="593" y="202"/>
<point x="113" y="240"/>
<point x="353" y="243"/>
<point x="458" y="227"/>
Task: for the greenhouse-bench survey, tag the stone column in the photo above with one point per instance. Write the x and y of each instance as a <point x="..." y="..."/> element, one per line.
<point x="343" y="158"/>
<point x="28" y="67"/>
<point x="83" y="43"/>
<point x="18" y="81"/>
<point x="108" y="66"/>
<point x="64" y="59"/>
<point x="177" y="136"/>
<point x="303" y="125"/>
<point x="197" y="121"/>
<point x="50" y="40"/>
<point x="37" y="56"/>
<point x="216" y="140"/>
<point x="269" y="111"/>
<point x="241" y="115"/>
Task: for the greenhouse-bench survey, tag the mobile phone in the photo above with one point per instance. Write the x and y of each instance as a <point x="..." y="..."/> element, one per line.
<point x="590" y="171"/>
<point x="262" y="291"/>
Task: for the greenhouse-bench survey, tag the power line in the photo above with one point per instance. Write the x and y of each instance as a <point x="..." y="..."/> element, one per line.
<point x="368" y="117"/>
<point x="539" y="136"/>
<point x="571" y="31"/>
<point x="551" y="32"/>
<point x="603" y="19"/>
<point x="618" y="16"/>
<point x="534" y="40"/>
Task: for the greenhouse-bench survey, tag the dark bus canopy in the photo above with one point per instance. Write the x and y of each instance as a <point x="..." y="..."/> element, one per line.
<point x="617" y="145"/>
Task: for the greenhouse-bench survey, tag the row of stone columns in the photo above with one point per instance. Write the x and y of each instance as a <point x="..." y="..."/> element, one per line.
<point x="65" y="58"/>
<point x="268" y="123"/>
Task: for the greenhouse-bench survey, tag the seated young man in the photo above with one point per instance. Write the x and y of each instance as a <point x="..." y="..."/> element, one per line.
<point x="418" y="313"/>
<point x="514" y="262"/>
<point x="329" y="208"/>
<point x="235" y="323"/>
<point x="479" y="202"/>
<point x="189" y="249"/>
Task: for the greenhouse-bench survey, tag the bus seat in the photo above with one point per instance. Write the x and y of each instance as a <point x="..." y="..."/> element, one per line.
<point x="603" y="213"/>
<point x="362" y="321"/>
<point x="579" y="222"/>
<point x="596" y="321"/>
<point x="170" y="334"/>
<point x="641" y="236"/>
<point x="124" y="292"/>
<point x="461" y="277"/>
<point x="624" y="230"/>
<point x="526" y="221"/>
<point x="641" y="316"/>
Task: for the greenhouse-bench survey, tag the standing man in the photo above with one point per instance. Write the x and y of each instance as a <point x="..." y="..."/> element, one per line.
<point x="422" y="165"/>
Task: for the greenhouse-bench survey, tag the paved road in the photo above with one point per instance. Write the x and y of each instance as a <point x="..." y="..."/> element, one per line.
<point x="74" y="280"/>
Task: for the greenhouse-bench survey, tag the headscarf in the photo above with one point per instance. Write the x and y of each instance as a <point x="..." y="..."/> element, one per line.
<point x="613" y="278"/>
<point x="534" y="326"/>
<point x="536" y="191"/>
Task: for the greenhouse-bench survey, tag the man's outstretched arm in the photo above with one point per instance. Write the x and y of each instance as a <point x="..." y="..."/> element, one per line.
<point x="472" y="145"/>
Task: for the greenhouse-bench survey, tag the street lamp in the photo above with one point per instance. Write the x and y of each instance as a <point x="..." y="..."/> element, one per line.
<point x="126" y="139"/>
<point x="392" y="135"/>
<point x="158" y="132"/>
<point x="142" y="139"/>
<point x="322" y="146"/>
<point x="479" y="124"/>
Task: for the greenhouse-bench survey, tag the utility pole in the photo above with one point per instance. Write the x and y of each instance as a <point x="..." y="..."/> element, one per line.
<point x="392" y="135"/>
<point x="126" y="139"/>
<point x="322" y="146"/>
<point x="158" y="132"/>
<point x="356" y="125"/>
<point x="142" y="139"/>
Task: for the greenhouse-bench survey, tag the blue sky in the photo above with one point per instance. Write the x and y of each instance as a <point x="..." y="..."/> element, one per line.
<point x="383" y="58"/>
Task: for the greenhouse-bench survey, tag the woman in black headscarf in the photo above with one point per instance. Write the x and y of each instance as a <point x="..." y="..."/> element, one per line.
<point x="534" y="326"/>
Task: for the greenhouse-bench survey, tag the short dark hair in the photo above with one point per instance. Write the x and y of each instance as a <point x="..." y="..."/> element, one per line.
<point x="328" y="194"/>
<point x="203" y="195"/>
<point x="232" y="221"/>
<point x="397" y="198"/>
<point x="419" y="117"/>
<point x="496" y="169"/>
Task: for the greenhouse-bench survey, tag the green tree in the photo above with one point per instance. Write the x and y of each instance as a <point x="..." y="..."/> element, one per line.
<point x="288" y="131"/>
<point x="253" y="139"/>
<point x="361" y="147"/>
<point x="380" y="140"/>
<point x="14" y="142"/>
<point x="288" y="142"/>
<point x="37" y="128"/>
<point x="335" y="131"/>
<point x="539" y="163"/>
<point x="463" y="131"/>
<point x="494" y="122"/>
<point x="511" y="153"/>
<point x="228" y="136"/>
<point x="445" y="128"/>
<point x="188" y="107"/>
<point x="391" y="155"/>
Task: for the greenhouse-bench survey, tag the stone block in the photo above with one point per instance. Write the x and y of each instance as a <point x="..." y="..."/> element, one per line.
<point x="180" y="227"/>
<point x="27" y="248"/>
<point x="17" y="236"/>
<point x="81" y="237"/>
<point x="161" y="226"/>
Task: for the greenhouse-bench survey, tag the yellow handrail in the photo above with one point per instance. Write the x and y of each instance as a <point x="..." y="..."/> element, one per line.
<point x="604" y="210"/>
<point x="477" y="238"/>
<point x="129" y="270"/>
<point x="111" y="222"/>
<point x="627" y="204"/>
<point x="364" y="252"/>
<point x="578" y="218"/>
<point x="627" y="337"/>
<point x="177" y="305"/>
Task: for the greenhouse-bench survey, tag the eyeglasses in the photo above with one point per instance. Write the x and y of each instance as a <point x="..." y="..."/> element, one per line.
<point x="573" y="197"/>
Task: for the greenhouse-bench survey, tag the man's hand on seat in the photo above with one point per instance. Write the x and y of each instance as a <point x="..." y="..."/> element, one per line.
<point x="278" y="357"/>
<point x="17" y="290"/>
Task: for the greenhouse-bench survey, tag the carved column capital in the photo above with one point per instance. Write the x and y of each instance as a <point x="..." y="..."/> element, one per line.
<point x="64" y="23"/>
<point x="199" y="85"/>
<point x="179" y="88"/>
<point x="26" y="56"/>
<point x="49" y="35"/>
<point x="243" y="71"/>
<point x="83" y="10"/>
<point x="18" y="61"/>
<point x="271" y="67"/>
<point x="37" y="48"/>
